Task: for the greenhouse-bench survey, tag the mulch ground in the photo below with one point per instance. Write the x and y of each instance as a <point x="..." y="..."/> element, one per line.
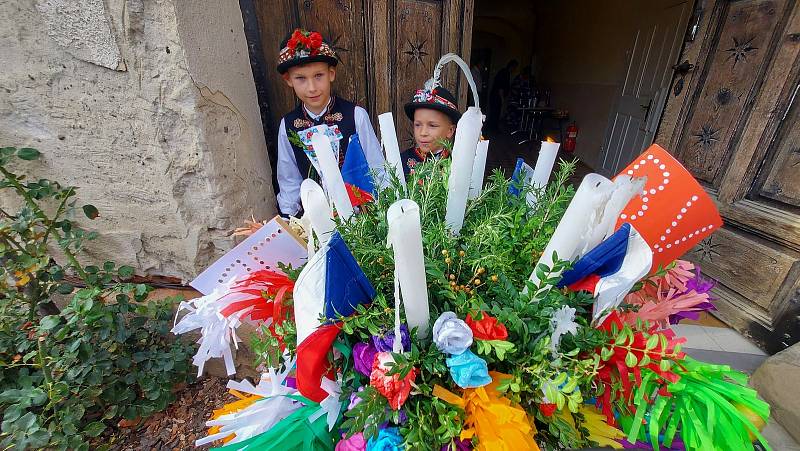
<point x="178" y="426"/>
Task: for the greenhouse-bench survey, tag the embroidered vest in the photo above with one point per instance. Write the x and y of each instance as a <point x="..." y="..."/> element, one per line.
<point x="340" y="113"/>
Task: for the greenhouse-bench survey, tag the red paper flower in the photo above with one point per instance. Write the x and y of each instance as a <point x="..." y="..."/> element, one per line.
<point x="547" y="409"/>
<point x="488" y="328"/>
<point x="396" y="390"/>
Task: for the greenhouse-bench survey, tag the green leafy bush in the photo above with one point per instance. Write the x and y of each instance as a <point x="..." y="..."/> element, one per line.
<point x="66" y="373"/>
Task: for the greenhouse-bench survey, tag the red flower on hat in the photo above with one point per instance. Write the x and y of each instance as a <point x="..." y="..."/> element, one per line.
<point x="304" y="40"/>
<point x="488" y="328"/>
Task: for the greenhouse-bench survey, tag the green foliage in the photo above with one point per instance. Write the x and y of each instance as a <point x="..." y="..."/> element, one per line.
<point x="484" y="269"/>
<point x="65" y="374"/>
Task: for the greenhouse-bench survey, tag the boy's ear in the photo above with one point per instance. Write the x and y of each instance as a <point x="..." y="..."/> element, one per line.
<point x="287" y="80"/>
<point x="332" y="72"/>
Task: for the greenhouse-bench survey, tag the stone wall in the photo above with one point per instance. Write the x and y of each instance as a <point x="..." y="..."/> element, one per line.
<point x="149" y="107"/>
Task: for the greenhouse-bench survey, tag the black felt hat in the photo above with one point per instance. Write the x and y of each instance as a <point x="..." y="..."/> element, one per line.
<point x="439" y="99"/>
<point x="303" y="47"/>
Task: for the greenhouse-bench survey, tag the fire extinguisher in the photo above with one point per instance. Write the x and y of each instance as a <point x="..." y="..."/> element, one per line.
<point x="572" y="136"/>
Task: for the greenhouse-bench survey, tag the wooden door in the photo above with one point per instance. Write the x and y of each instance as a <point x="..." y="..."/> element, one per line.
<point x="737" y="130"/>
<point x="386" y="48"/>
<point x="655" y="47"/>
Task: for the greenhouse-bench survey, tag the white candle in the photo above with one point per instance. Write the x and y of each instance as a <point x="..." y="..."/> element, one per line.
<point x="390" y="145"/>
<point x="544" y="164"/>
<point x="405" y="238"/>
<point x="317" y="209"/>
<point x="582" y="216"/>
<point x="331" y="175"/>
<point x="467" y="134"/>
<point x="478" y="169"/>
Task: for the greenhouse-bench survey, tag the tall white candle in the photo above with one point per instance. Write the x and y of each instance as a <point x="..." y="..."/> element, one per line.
<point x="478" y="169"/>
<point x="331" y="175"/>
<point x="583" y="214"/>
<point x="467" y="134"/>
<point x="390" y="145"/>
<point x="405" y="238"/>
<point x="544" y="164"/>
<point x="317" y="209"/>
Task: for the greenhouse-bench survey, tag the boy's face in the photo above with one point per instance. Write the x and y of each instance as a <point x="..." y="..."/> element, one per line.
<point x="312" y="84"/>
<point x="430" y="126"/>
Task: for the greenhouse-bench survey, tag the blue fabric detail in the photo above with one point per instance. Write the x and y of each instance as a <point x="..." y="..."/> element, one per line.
<point x="346" y="285"/>
<point x="603" y="260"/>
<point x="355" y="170"/>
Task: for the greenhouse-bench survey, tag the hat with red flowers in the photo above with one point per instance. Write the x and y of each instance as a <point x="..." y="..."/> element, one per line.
<point x="303" y="47"/>
<point x="438" y="99"/>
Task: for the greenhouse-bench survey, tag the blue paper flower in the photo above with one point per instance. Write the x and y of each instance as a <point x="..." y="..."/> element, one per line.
<point x="468" y="370"/>
<point x="387" y="440"/>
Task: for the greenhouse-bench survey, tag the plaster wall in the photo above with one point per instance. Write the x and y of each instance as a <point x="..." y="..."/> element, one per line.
<point x="150" y="109"/>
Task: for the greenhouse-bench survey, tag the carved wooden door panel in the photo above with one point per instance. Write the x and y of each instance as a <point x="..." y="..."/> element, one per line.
<point x="409" y="38"/>
<point x="386" y="48"/>
<point x="739" y="134"/>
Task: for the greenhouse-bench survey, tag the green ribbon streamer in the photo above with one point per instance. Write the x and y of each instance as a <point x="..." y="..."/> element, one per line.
<point x="294" y="432"/>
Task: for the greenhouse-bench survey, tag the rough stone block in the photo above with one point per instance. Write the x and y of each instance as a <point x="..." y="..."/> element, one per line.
<point x="777" y="381"/>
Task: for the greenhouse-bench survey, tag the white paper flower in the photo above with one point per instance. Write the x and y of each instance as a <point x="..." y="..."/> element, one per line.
<point x="563" y="321"/>
<point x="451" y="335"/>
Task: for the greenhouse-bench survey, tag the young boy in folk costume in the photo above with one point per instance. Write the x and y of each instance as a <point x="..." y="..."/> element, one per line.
<point x="434" y="116"/>
<point x="308" y="65"/>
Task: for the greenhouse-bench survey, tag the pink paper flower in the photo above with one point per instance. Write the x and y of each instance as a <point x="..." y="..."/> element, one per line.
<point x="354" y="443"/>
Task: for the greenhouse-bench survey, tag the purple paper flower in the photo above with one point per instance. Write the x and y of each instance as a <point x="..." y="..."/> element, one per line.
<point x="364" y="357"/>
<point x="458" y="445"/>
<point x="355" y="399"/>
<point x="384" y="342"/>
<point x="698" y="283"/>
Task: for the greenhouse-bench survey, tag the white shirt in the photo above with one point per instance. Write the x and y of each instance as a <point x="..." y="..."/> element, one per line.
<point x="289" y="177"/>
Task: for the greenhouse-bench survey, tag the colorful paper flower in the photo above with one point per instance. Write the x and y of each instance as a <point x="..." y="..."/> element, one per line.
<point x="458" y="445"/>
<point x="395" y="389"/>
<point x="384" y="342"/>
<point x="354" y="443"/>
<point x="388" y="439"/>
<point x="355" y="399"/>
<point x="451" y="334"/>
<point x="562" y="321"/>
<point x="364" y="357"/>
<point x="488" y="328"/>
<point x="468" y="370"/>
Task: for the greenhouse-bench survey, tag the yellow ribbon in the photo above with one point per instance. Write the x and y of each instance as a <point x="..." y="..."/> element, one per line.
<point x="243" y="402"/>
<point x="595" y="422"/>
<point x="493" y="419"/>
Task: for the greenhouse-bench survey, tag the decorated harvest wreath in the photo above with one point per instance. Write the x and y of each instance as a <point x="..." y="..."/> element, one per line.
<point x="450" y="314"/>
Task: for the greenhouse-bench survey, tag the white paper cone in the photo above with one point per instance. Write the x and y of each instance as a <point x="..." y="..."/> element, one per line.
<point x="390" y="145"/>
<point x="467" y="134"/>
<point x="405" y="238"/>
<point x="331" y="175"/>
<point x="579" y="221"/>
<point x="478" y="169"/>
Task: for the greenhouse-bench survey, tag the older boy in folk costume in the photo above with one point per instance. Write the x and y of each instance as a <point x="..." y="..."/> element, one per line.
<point x="308" y="65"/>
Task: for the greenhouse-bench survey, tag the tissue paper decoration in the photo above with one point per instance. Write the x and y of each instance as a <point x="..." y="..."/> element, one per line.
<point x="674" y="212"/>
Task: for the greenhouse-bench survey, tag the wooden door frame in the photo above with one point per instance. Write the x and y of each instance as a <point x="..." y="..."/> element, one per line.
<point x="757" y="128"/>
<point x="456" y="37"/>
